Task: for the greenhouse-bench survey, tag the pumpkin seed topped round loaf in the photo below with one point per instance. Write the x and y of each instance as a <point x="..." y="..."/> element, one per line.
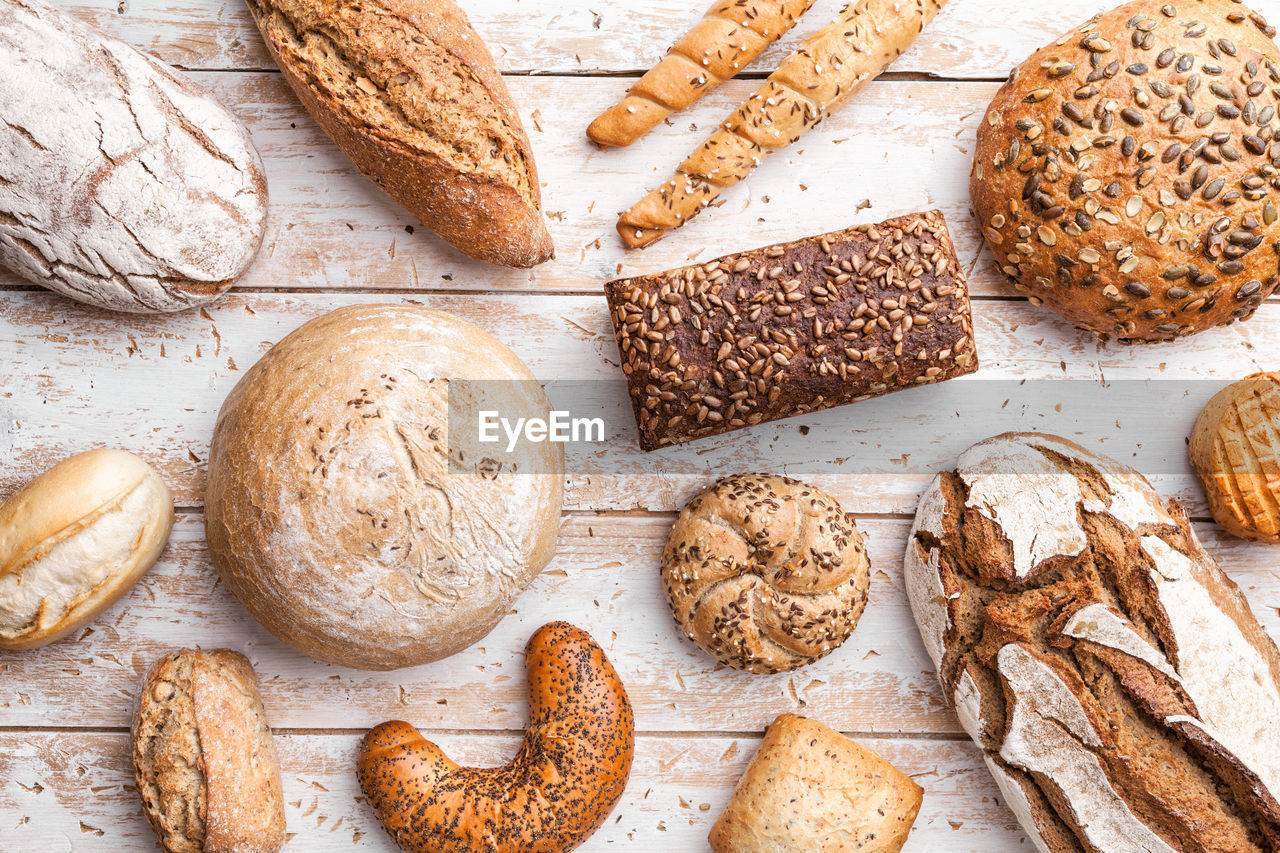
<point x="1128" y="175"/>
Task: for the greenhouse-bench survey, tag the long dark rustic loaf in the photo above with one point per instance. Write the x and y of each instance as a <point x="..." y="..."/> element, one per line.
<point x="792" y="328"/>
<point x="1124" y="694"/>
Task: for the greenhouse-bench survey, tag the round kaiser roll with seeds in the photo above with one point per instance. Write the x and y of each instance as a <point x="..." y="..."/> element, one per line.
<point x="1235" y="450"/>
<point x="1128" y="175"/>
<point x="765" y="573"/>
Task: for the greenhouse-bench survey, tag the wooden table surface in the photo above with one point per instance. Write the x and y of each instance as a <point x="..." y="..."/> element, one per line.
<point x="72" y="378"/>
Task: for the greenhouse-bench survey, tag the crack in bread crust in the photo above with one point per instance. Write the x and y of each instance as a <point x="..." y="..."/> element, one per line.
<point x="1156" y="644"/>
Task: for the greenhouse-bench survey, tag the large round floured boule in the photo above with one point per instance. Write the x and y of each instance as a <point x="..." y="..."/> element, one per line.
<point x="333" y="511"/>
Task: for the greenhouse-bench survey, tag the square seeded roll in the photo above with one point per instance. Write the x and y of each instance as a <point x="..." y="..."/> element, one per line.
<point x="810" y="789"/>
<point x="792" y="328"/>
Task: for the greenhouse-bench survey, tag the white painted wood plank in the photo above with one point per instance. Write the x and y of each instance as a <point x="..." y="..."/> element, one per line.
<point x="967" y="40"/>
<point x="604" y="579"/>
<point x="75" y="792"/>
<point x="900" y="147"/>
<point x="73" y="378"/>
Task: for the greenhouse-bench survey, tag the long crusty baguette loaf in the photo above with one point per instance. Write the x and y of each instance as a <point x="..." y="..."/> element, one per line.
<point x="411" y="94"/>
<point x="122" y="183"/>
<point x="728" y="38"/>
<point x="76" y="539"/>
<point x="1122" y="691"/>
<point x="815" y="80"/>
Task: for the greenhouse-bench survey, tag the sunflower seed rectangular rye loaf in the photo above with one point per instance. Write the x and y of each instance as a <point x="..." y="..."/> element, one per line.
<point x="792" y="328"/>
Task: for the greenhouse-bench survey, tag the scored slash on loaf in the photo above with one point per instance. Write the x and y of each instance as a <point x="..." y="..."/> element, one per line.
<point x="792" y="328"/>
<point x="1235" y="450"/>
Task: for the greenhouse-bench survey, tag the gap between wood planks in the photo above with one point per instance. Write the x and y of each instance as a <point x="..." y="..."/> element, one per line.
<point x="957" y="737"/>
<point x="635" y="73"/>
<point x="193" y="510"/>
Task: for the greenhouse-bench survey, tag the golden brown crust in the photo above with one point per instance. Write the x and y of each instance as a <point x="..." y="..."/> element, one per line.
<point x="568" y="775"/>
<point x="765" y="573"/>
<point x="203" y="756"/>
<point x="809" y="789"/>
<point x="1112" y="674"/>
<point x="818" y="78"/>
<point x="726" y="40"/>
<point x="333" y="511"/>
<point x="1126" y="175"/>
<point x="410" y="93"/>
<point x="76" y="539"/>
<point x="1235" y="450"/>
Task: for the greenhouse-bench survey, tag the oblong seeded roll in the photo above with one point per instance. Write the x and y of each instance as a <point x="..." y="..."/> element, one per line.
<point x="204" y="758"/>
<point x="1128" y="175"/>
<point x="792" y="328"/>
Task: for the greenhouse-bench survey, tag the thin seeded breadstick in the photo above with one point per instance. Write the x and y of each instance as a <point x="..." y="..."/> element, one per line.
<point x="728" y="38"/>
<point x="815" y="80"/>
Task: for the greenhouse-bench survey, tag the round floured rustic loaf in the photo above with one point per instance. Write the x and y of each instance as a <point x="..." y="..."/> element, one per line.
<point x="122" y="183"/>
<point x="203" y="756"/>
<point x="765" y="573"/>
<point x="74" y="540"/>
<point x="1122" y="691"/>
<point x="333" y="512"/>
<point x="1127" y="176"/>
<point x="1235" y="450"/>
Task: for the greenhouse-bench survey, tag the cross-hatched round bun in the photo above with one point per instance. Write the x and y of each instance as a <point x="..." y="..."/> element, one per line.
<point x="765" y="573"/>
<point x="333" y="511"/>
<point x="1127" y="177"/>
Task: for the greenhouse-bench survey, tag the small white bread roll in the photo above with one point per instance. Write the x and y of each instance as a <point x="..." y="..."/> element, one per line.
<point x="74" y="540"/>
<point x="334" y="510"/>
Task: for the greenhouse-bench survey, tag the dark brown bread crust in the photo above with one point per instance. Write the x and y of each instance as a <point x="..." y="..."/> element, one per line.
<point x="410" y="93"/>
<point x="976" y="600"/>
<point x="569" y="774"/>
<point x="792" y="328"/>
<point x="1128" y="175"/>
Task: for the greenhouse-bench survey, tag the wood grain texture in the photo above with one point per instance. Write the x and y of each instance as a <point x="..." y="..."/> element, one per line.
<point x="970" y="40"/>
<point x="74" y="791"/>
<point x="73" y="378"/>
<point x="331" y="229"/>
<point x="603" y="579"/>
